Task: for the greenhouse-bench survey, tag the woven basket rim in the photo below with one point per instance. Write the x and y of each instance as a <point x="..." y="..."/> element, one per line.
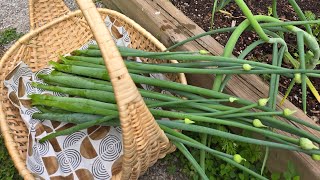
<point x="19" y="163"/>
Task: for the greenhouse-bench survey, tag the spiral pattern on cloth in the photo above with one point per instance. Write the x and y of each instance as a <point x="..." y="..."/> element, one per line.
<point x="99" y="171"/>
<point x="110" y="148"/>
<point x="35" y="167"/>
<point x="22" y="71"/>
<point x="90" y="42"/>
<point x="43" y="148"/>
<point x="68" y="160"/>
<point x="73" y="139"/>
<point x="118" y="129"/>
<point x="126" y="37"/>
<point x="36" y="155"/>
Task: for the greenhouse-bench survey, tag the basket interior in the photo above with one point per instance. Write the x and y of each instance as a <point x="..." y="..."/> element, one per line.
<point x="41" y="47"/>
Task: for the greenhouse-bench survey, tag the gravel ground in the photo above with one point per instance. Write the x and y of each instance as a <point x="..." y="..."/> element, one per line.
<point x="15" y="14"/>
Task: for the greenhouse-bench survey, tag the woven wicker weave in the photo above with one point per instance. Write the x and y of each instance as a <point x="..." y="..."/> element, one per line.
<point x="54" y="31"/>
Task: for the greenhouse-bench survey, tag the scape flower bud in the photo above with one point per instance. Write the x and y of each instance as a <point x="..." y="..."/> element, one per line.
<point x="232" y="99"/>
<point x="288" y="112"/>
<point x="316" y="157"/>
<point x="263" y="102"/>
<point x="203" y="52"/>
<point x="188" y="121"/>
<point x="297" y="78"/>
<point x="237" y="158"/>
<point x="305" y="143"/>
<point x="257" y="123"/>
<point x="246" y="67"/>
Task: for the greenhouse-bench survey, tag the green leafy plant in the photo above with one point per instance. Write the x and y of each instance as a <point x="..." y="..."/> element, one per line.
<point x="219" y="169"/>
<point x="7" y="170"/>
<point x="9" y="35"/>
<point x="269" y="11"/>
<point x="315" y="27"/>
<point x="289" y="174"/>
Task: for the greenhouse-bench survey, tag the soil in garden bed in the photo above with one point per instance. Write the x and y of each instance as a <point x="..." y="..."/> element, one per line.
<point x="200" y="12"/>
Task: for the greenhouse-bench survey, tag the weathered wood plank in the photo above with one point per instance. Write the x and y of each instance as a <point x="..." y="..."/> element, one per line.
<point x="171" y="26"/>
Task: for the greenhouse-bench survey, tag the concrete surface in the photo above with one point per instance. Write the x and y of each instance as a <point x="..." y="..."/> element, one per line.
<point x="15" y="13"/>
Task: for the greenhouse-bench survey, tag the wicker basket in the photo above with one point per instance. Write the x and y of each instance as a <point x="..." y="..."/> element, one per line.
<point x="55" y="30"/>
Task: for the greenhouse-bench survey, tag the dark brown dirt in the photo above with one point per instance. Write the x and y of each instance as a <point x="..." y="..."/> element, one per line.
<point x="200" y="12"/>
<point x="2" y="51"/>
<point x="165" y="169"/>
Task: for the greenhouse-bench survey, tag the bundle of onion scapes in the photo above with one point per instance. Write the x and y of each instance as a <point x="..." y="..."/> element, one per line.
<point x="91" y="102"/>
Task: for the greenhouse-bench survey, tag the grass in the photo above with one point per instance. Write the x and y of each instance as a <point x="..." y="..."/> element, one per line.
<point x="7" y="169"/>
<point x="9" y="35"/>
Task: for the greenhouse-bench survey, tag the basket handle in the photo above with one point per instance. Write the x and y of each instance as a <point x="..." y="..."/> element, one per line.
<point x="139" y="129"/>
<point x="43" y="11"/>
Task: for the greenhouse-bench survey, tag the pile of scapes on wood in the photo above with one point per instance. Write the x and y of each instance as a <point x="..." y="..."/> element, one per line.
<point x="91" y="102"/>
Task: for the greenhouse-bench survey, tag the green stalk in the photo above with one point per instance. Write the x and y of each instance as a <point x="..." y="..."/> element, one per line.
<point x="213" y="94"/>
<point x="51" y="110"/>
<point x="300" y="42"/>
<point x="229" y="96"/>
<point x="274" y="9"/>
<point x="191" y="142"/>
<point x="176" y="86"/>
<point x="74" y="118"/>
<point x="244" y="114"/>
<point x="212" y="60"/>
<point x="264" y="160"/>
<point x="227" y="159"/>
<point x="105" y="96"/>
<point x="230" y="29"/>
<point x="217" y="81"/>
<point x="166" y="69"/>
<point x="127" y="52"/>
<point x="280" y="58"/>
<point x="292" y="83"/>
<point x="203" y="139"/>
<point x="211" y="25"/>
<point x="76" y="107"/>
<point x="214" y="132"/>
<point x="191" y="159"/>
<point x="222" y="4"/>
<point x="254" y="23"/>
<point x="86" y="93"/>
<point x="245" y="53"/>
<point x="196" y="118"/>
<point x="74" y="81"/>
<point x="81" y="63"/>
<point x="77" y="128"/>
<point x="88" y="102"/>
<point x="202" y="64"/>
<point x="301" y="15"/>
<point x="100" y="108"/>
<point x="164" y="104"/>
<point x="232" y="111"/>
<point x="310" y="40"/>
<point x="79" y="82"/>
<point x="272" y="90"/>
<point x="248" y="49"/>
